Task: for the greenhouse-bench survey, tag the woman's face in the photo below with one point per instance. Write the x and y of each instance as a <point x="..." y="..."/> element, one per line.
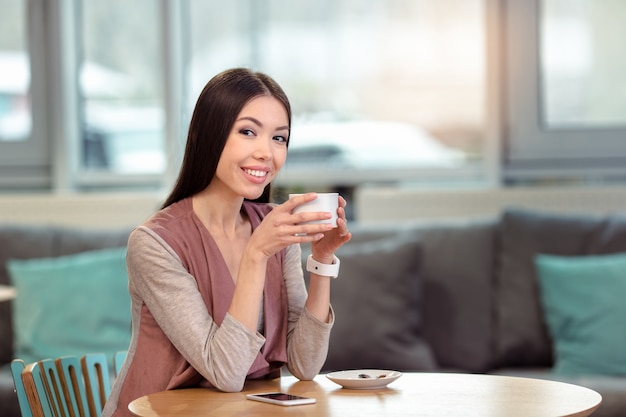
<point x="255" y="150"/>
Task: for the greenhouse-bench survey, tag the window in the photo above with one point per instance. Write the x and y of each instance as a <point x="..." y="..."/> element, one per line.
<point x="19" y="152"/>
<point x="582" y="63"/>
<point x="566" y="71"/>
<point x="382" y="90"/>
<point x="96" y="92"/>
<point x="121" y="80"/>
<point x="394" y="89"/>
<point x="99" y="94"/>
<point x="15" y="114"/>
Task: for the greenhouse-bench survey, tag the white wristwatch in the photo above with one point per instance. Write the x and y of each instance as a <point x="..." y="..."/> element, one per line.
<point x="324" y="270"/>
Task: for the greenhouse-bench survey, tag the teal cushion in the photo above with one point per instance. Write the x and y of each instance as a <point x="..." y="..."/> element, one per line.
<point x="584" y="308"/>
<point x="71" y="305"/>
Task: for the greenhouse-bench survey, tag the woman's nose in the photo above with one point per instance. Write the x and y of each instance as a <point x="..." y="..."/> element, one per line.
<point x="263" y="149"/>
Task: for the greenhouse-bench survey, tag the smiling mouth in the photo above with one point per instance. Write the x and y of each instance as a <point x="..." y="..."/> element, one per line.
<point x="256" y="173"/>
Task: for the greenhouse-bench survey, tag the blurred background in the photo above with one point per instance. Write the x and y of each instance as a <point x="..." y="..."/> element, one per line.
<point x="410" y="108"/>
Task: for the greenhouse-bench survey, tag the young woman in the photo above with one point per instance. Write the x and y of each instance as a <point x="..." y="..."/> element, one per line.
<point x="215" y="276"/>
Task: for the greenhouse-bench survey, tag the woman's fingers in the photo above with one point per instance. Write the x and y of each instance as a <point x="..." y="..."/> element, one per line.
<point x="304" y="216"/>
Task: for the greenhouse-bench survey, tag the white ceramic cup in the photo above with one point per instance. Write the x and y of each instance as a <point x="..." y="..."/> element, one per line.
<point x="324" y="202"/>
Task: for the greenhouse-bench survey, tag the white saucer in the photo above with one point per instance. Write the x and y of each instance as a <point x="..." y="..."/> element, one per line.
<point x="354" y="379"/>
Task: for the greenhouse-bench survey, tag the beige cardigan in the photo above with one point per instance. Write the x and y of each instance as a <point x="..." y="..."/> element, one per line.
<point x="182" y="335"/>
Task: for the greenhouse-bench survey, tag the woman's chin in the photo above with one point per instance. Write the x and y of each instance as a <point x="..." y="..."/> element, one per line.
<point x="254" y="195"/>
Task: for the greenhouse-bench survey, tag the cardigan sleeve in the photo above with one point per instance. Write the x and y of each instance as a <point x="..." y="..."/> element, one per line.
<point x="308" y="337"/>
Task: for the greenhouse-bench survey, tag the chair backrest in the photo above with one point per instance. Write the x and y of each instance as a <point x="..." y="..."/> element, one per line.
<point x="95" y="369"/>
<point x="56" y="389"/>
<point x="17" y="366"/>
<point x="74" y="386"/>
<point x="63" y="387"/>
<point x="36" y="391"/>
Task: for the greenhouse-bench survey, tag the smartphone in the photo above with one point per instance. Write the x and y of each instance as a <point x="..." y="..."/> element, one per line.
<point x="280" y="398"/>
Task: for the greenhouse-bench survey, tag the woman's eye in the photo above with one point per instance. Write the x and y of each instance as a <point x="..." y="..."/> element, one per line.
<point x="281" y="139"/>
<point x="247" y="132"/>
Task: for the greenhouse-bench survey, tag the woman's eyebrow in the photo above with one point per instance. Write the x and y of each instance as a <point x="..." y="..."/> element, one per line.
<point x="258" y="122"/>
<point x="252" y="119"/>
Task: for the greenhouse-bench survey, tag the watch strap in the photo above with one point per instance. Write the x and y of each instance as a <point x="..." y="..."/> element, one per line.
<point x="325" y="270"/>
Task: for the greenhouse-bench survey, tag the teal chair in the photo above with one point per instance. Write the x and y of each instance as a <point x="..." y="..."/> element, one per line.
<point x="63" y="387"/>
<point x="17" y="366"/>
<point x="37" y="391"/>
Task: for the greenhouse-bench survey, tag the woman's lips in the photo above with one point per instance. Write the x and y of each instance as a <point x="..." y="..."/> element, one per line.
<point x="258" y="176"/>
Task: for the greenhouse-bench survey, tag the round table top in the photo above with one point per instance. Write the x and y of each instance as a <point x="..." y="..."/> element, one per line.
<point x="423" y="394"/>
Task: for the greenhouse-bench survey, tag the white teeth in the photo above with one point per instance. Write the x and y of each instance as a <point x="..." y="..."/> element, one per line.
<point x="256" y="173"/>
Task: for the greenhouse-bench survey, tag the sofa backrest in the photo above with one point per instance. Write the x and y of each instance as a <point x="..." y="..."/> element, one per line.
<point x="479" y="305"/>
<point x="454" y="293"/>
<point x="458" y="274"/>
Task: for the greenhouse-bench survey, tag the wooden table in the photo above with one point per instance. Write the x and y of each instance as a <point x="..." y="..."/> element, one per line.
<point x="417" y="394"/>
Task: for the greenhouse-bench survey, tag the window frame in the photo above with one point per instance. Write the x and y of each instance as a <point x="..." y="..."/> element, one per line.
<point x="27" y="163"/>
<point x="173" y="53"/>
<point x="49" y="159"/>
<point x="531" y="151"/>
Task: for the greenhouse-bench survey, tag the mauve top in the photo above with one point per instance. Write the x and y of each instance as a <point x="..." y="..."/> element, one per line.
<point x="182" y="334"/>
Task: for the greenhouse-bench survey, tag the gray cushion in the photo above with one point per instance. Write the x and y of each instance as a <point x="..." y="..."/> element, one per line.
<point x="457" y="269"/>
<point x="522" y="337"/>
<point x="377" y="300"/>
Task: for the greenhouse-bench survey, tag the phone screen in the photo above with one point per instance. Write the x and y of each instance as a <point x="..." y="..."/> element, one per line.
<point x="280" y="396"/>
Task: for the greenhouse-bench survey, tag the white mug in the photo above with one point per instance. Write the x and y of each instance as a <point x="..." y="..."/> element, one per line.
<point x="328" y="202"/>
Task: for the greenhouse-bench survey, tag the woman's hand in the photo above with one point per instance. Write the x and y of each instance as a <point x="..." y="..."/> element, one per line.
<point x="281" y="228"/>
<point x="318" y="300"/>
<point x="324" y="249"/>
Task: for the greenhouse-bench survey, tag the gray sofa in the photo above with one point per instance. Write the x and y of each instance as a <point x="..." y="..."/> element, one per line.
<point x="453" y="296"/>
<point x="463" y="296"/>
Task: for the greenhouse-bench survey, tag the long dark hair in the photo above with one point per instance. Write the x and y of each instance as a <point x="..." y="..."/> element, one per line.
<point x="217" y="108"/>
